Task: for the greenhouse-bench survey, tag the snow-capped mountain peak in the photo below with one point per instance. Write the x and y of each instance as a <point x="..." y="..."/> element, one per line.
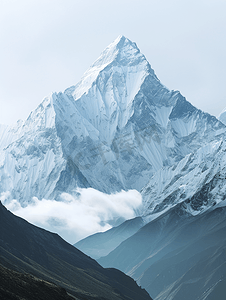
<point x="111" y="131"/>
<point x="105" y="94"/>
<point x="121" y="53"/>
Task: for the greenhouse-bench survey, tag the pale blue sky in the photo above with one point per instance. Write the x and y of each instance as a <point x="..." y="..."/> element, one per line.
<point x="47" y="45"/>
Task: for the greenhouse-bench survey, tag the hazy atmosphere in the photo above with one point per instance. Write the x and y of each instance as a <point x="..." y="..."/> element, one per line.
<point x="113" y="144"/>
<point x="77" y="217"/>
<point x="46" y="46"/>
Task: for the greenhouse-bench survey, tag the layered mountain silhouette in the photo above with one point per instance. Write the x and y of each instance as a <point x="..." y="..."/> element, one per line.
<point x="121" y="128"/>
<point x="102" y="243"/>
<point x="177" y="256"/>
<point x="27" y="248"/>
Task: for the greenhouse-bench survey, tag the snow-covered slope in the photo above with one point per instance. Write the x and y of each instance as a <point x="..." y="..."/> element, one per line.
<point x="31" y="163"/>
<point x="197" y="184"/>
<point x="198" y="180"/>
<point x="111" y="131"/>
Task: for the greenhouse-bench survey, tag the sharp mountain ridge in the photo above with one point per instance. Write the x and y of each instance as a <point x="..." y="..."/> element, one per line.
<point x="113" y="130"/>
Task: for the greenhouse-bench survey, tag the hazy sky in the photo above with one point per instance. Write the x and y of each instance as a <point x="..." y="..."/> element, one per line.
<point x="47" y="45"/>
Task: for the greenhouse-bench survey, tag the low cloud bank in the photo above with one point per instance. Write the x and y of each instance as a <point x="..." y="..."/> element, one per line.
<point x="74" y="218"/>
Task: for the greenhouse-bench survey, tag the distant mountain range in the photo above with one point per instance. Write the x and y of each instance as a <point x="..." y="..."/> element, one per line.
<point x="176" y="256"/>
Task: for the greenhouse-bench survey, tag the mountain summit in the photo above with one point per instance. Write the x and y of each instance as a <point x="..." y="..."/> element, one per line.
<point x="120" y="54"/>
<point x="111" y="131"/>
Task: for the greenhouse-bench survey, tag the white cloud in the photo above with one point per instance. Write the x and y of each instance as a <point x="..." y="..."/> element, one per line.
<point x="77" y="217"/>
